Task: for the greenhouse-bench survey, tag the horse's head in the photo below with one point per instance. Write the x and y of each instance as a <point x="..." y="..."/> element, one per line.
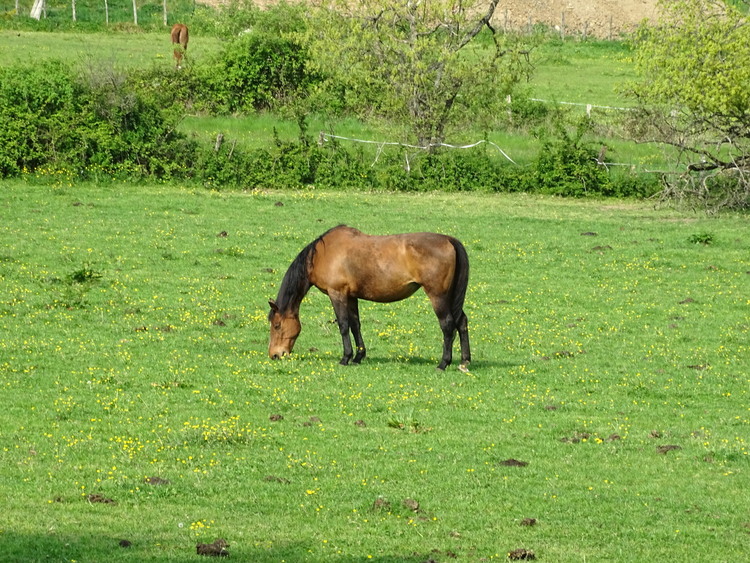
<point x="285" y="328"/>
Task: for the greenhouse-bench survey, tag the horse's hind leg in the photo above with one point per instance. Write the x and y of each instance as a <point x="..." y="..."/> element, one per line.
<point x="463" y="335"/>
<point x="448" y="326"/>
<point x="449" y="334"/>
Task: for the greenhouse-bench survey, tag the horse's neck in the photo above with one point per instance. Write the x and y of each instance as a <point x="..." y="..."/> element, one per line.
<point x="293" y="290"/>
<point x="294" y="302"/>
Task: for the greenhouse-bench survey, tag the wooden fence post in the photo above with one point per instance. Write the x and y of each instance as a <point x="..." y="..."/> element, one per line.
<point x="562" y="25"/>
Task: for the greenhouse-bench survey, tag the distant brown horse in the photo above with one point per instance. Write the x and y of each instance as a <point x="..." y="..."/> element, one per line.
<point x="348" y="265"/>
<point x="180" y="39"/>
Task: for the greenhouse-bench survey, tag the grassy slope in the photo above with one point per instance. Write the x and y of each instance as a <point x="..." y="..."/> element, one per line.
<point x="118" y="49"/>
<point x="591" y="351"/>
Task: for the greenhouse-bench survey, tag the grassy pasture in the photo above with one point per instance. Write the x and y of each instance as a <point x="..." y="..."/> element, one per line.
<point x="588" y="72"/>
<point x="119" y="49"/>
<point x="610" y="344"/>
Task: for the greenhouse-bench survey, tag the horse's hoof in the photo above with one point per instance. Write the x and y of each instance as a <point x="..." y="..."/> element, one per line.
<point x="464" y="368"/>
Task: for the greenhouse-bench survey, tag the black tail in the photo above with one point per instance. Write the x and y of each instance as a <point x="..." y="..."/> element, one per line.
<point x="460" y="280"/>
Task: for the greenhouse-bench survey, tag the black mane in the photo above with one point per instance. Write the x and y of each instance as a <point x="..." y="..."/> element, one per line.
<point x="296" y="282"/>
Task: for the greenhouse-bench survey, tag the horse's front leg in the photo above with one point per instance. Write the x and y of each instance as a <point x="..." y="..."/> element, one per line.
<point x="354" y="326"/>
<point x="341" y="308"/>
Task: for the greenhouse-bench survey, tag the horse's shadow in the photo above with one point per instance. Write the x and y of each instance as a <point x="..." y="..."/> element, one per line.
<point x="474" y="366"/>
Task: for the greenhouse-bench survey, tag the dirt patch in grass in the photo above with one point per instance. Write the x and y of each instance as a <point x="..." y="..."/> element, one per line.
<point x="216" y="549"/>
<point x="521" y="554"/>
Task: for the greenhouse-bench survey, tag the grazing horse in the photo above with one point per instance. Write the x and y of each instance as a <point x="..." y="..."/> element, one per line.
<point x="348" y="265"/>
<point x="180" y="40"/>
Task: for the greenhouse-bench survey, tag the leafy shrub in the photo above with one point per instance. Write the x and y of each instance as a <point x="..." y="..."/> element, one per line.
<point x="304" y="164"/>
<point x="291" y="164"/>
<point x="259" y="71"/>
<point x="466" y="170"/>
<point x="85" y="274"/>
<point x="189" y="90"/>
<point x="31" y="99"/>
<point x="89" y="124"/>
<point x="129" y="129"/>
<point x="344" y="169"/>
<point x="471" y="170"/>
<point x="624" y="183"/>
<point x="704" y="238"/>
<point x="525" y="113"/>
<point x="567" y="165"/>
<point x="261" y="67"/>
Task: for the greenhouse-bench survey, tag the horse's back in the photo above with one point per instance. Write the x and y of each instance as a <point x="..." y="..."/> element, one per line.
<point x="180" y="34"/>
<point x="383" y="267"/>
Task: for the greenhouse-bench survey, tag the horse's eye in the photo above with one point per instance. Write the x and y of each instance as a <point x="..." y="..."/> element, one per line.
<point x="277" y="326"/>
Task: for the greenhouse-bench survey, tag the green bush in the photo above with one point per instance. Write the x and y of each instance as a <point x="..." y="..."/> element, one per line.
<point x="87" y="125"/>
<point x="189" y="90"/>
<point x="344" y="169"/>
<point x="262" y="65"/>
<point x="259" y="71"/>
<point x="405" y="171"/>
<point x="625" y="183"/>
<point x="567" y="165"/>
<point x="525" y="113"/>
<point x="303" y="164"/>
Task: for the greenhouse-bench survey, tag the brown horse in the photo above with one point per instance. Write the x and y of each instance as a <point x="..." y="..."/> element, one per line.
<point x="348" y="265"/>
<point x="180" y="39"/>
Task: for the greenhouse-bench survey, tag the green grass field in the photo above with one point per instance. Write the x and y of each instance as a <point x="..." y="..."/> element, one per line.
<point x="610" y="344"/>
<point x="119" y="49"/>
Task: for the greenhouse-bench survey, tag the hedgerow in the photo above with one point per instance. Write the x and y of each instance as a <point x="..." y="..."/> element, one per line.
<point x="52" y="118"/>
<point x="101" y="124"/>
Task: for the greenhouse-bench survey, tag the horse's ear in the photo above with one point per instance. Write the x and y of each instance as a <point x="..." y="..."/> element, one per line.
<point x="274" y="306"/>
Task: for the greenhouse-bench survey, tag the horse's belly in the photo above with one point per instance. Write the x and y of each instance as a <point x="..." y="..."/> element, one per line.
<point x="374" y="292"/>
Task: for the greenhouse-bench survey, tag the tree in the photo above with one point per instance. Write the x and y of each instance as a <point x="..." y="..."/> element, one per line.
<point x="694" y="94"/>
<point x="418" y="64"/>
